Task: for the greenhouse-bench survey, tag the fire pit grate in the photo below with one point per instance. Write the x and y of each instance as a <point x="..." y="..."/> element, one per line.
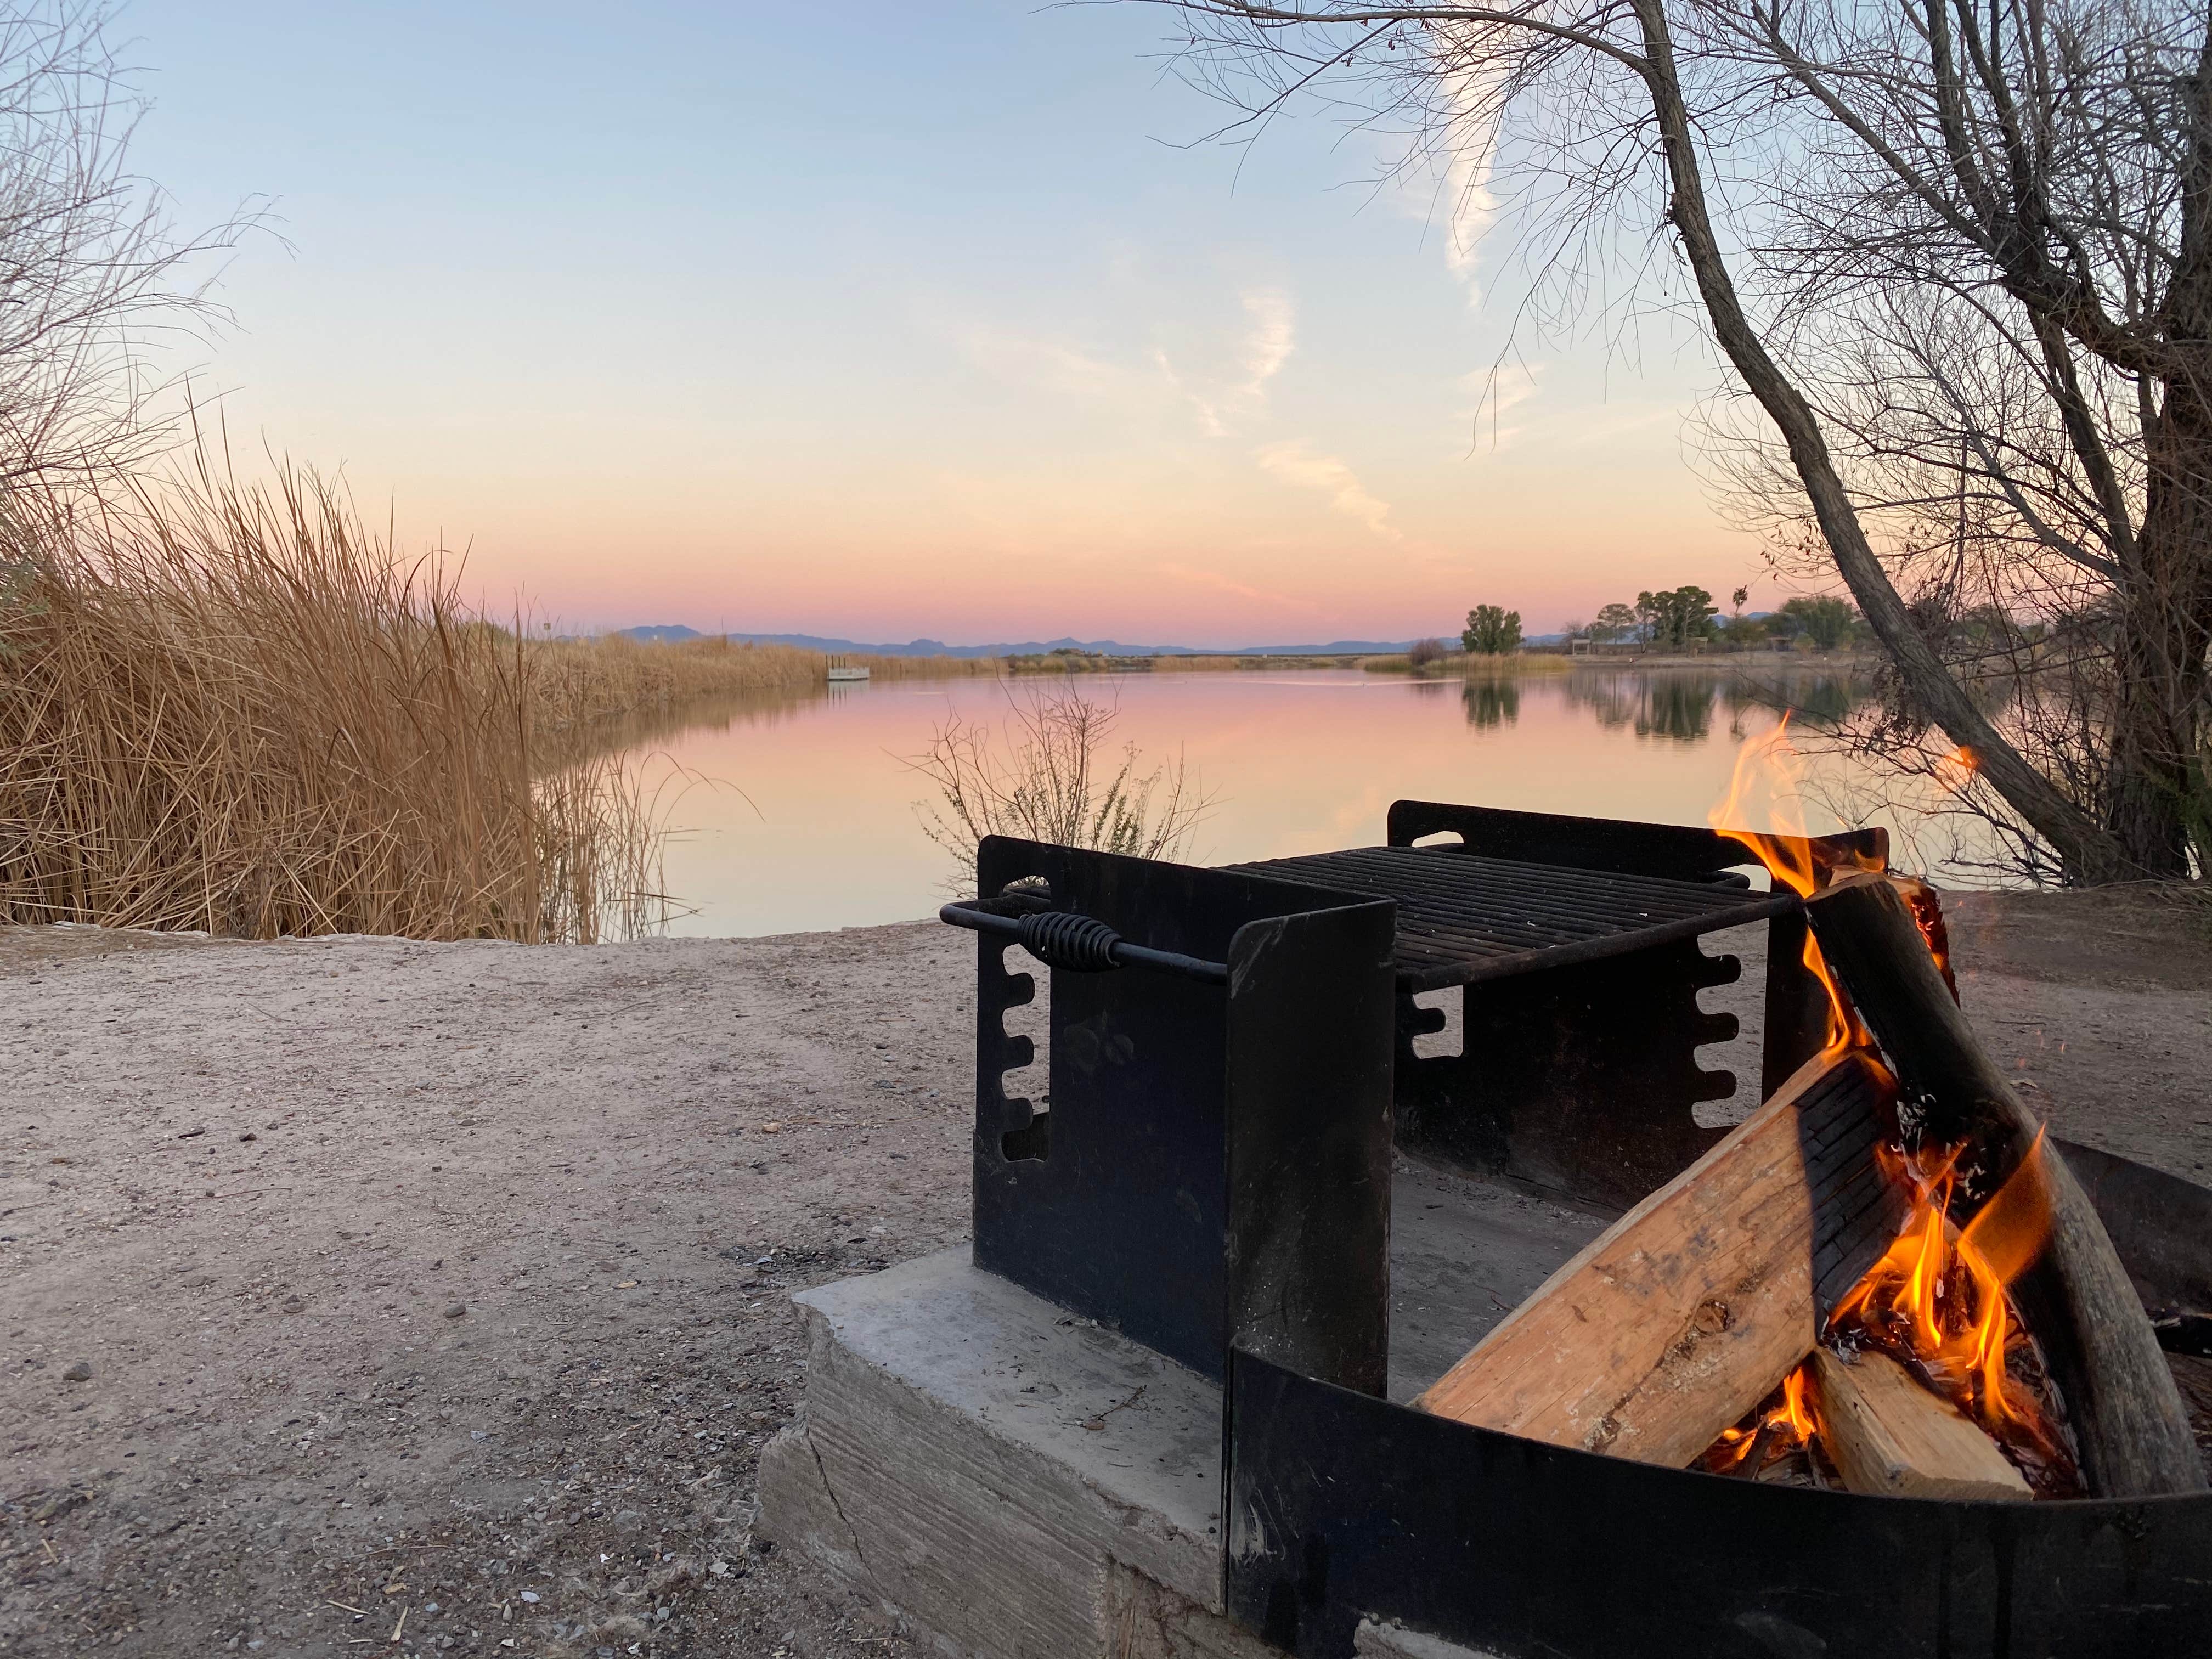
<point x="1464" y="918"/>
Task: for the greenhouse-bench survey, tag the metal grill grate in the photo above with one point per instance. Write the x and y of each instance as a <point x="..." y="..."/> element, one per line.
<point x="1463" y="918"/>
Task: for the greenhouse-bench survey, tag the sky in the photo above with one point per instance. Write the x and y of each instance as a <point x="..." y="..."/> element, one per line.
<point x="885" y="321"/>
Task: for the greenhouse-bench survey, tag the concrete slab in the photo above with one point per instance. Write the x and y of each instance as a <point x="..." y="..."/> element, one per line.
<point x="1015" y="1481"/>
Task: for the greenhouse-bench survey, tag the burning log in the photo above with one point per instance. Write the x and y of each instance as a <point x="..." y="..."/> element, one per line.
<point x="1691" y="1307"/>
<point x="1891" y="1437"/>
<point x="2128" y="1418"/>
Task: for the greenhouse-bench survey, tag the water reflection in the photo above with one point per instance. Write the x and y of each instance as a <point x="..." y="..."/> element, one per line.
<point x="1678" y="705"/>
<point x="1492" y="701"/>
<point x="816" y="830"/>
<point x="644" y="730"/>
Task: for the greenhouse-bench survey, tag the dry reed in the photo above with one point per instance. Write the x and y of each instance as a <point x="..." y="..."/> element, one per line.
<point x="576" y="682"/>
<point x="234" y="709"/>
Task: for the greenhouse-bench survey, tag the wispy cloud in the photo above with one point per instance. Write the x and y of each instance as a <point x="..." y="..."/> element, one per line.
<point x="1300" y="467"/>
<point x="1462" y="196"/>
<point x="1223" y="400"/>
<point x="1270" y="338"/>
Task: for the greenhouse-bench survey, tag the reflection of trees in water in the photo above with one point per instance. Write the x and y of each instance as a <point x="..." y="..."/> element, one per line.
<point x="641" y="728"/>
<point x="1492" y="701"/>
<point x="1679" y="704"/>
<point x="1817" y="699"/>
<point x="1676" y="706"/>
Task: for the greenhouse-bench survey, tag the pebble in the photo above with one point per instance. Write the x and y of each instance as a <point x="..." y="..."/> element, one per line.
<point x="455" y="1309"/>
<point x="79" y="1372"/>
<point x="293" y="1305"/>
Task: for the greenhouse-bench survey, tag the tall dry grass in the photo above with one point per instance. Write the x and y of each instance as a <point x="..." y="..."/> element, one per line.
<point x="576" y="682"/>
<point x="580" y="683"/>
<point x="236" y="709"/>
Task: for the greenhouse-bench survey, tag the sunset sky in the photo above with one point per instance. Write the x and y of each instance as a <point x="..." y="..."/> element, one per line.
<point x="887" y="321"/>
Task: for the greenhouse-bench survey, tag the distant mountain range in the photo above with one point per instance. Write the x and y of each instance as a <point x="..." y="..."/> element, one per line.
<point x="670" y="633"/>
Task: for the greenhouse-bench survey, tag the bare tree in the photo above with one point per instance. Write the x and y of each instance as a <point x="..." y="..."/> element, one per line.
<point x="2043" y="165"/>
<point x="94" y="275"/>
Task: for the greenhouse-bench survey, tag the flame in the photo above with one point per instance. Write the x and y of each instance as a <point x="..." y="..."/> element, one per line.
<point x="1789" y="1423"/>
<point x="1937" y="1300"/>
<point x="1772" y="760"/>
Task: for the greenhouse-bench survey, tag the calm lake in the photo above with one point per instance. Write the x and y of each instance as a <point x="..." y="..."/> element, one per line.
<point x="797" y="815"/>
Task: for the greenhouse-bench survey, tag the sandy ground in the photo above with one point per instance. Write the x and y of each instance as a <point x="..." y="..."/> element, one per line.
<point x="366" y="1296"/>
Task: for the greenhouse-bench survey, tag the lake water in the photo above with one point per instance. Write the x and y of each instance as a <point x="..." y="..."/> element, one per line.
<point x="798" y="814"/>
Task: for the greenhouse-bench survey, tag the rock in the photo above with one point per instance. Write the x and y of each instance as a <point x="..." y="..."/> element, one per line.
<point x="293" y="1305"/>
<point x="79" y="1372"/>
<point x="628" y="1520"/>
<point x="455" y="1309"/>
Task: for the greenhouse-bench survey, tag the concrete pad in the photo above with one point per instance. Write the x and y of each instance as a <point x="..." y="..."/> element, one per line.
<point x="1015" y="1481"/>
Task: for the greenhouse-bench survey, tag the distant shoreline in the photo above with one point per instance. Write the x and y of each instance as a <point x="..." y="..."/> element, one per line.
<point x="1455" y="665"/>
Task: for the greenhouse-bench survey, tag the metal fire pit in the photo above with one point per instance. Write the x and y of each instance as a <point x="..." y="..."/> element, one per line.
<point x="1342" y="1505"/>
<point x="1213" y="1178"/>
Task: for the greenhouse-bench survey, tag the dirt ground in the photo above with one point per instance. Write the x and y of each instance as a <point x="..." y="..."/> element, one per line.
<point x="360" y="1294"/>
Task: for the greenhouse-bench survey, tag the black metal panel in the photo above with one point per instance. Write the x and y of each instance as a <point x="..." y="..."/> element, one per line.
<point x="1310" y="1143"/>
<point x="2161" y="1225"/>
<point x="1340" y="1504"/>
<point x="1617" y="844"/>
<point x="1114" y="1202"/>
<point x="1797" y="1006"/>
<point x="1578" y="1081"/>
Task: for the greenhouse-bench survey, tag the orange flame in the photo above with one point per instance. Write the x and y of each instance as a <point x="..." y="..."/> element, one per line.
<point x="1774" y="761"/>
<point x="1936" y="1299"/>
<point x="1785" y="1426"/>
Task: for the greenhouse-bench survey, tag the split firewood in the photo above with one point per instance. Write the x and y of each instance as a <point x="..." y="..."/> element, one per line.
<point x="1692" y="1307"/>
<point x="2129" y="1422"/>
<point x="1889" y="1435"/>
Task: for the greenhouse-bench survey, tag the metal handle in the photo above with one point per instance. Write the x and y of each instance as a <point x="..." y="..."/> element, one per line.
<point x="1082" y="945"/>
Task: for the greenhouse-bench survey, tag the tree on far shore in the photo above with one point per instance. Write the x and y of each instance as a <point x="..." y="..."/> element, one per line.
<point x="1615" y="621"/>
<point x="1677" y="617"/>
<point x="1826" y="620"/>
<point x="1491" y="631"/>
